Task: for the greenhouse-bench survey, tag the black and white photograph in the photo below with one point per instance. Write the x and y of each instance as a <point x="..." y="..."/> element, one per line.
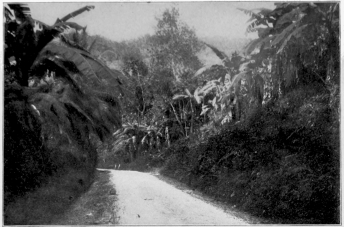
<point x="199" y="113"/>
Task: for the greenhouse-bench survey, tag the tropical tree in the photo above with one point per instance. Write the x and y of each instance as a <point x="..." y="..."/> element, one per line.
<point x="172" y="61"/>
<point x="298" y="42"/>
<point x="138" y="93"/>
<point x="188" y="111"/>
<point x="174" y="45"/>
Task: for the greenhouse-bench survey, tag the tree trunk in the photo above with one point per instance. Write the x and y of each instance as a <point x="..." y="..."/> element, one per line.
<point x="192" y="117"/>
<point x="176" y="114"/>
<point x="167" y="137"/>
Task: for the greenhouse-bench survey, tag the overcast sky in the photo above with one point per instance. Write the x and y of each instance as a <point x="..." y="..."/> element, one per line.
<point x="122" y="21"/>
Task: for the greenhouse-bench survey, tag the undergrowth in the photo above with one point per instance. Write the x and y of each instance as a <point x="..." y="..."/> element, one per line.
<point x="282" y="163"/>
<point x="42" y="205"/>
<point x="143" y="163"/>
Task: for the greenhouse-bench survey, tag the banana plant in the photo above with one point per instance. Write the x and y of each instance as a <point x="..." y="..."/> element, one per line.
<point x="190" y="99"/>
<point x="40" y="50"/>
<point x="138" y="140"/>
<point x="228" y="94"/>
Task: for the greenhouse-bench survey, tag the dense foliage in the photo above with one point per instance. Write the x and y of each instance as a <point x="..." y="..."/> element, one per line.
<point x="281" y="160"/>
<point x="284" y="164"/>
<point x="59" y="100"/>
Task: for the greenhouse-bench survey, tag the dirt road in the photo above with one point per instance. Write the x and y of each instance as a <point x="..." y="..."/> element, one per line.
<point x="143" y="199"/>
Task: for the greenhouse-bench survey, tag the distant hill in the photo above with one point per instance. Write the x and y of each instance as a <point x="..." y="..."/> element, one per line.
<point x="224" y="44"/>
<point x="112" y="52"/>
<point x="227" y="45"/>
<point x="207" y="57"/>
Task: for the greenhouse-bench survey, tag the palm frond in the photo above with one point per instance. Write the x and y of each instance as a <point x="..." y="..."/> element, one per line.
<point x="288" y="18"/>
<point x="258" y="12"/>
<point x="75" y="13"/>
<point x="84" y="87"/>
<point x="197" y="97"/>
<point x="256" y="45"/>
<point x="297" y="33"/>
<point x="95" y="75"/>
<point x="280" y="37"/>
<point x="210" y="85"/>
<point x="202" y="70"/>
<point x="77" y="113"/>
<point x="8" y="14"/>
<point x="259" y="16"/>
<point x="21" y="11"/>
<point x="179" y="96"/>
<point x="251" y="46"/>
<point x="188" y="92"/>
<point x="237" y="80"/>
<point x="219" y="54"/>
<point x="254" y="25"/>
<point x="262" y="32"/>
<point x="66" y="25"/>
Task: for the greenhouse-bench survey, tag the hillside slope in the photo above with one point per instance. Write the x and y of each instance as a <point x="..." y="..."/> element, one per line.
<point x="281" y="163"/>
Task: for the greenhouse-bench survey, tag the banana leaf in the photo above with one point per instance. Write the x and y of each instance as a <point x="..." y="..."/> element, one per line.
<point x="94" y="74"/>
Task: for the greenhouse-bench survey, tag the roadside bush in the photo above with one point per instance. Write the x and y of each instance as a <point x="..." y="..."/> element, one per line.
<point x="24" y="155"/>
<point x="45" y="170"/>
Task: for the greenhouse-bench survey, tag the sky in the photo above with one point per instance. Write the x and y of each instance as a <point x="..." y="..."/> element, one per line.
<point x="120" y="21"/>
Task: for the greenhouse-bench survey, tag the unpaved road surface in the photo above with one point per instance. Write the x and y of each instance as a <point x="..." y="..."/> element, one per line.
<point x="143" y="199"/>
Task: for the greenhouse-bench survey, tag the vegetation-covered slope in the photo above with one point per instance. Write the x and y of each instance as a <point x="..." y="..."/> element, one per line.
<point x="282" y="163"/>
<point x="59" y="100"/>
<point x="281" y="160"/>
